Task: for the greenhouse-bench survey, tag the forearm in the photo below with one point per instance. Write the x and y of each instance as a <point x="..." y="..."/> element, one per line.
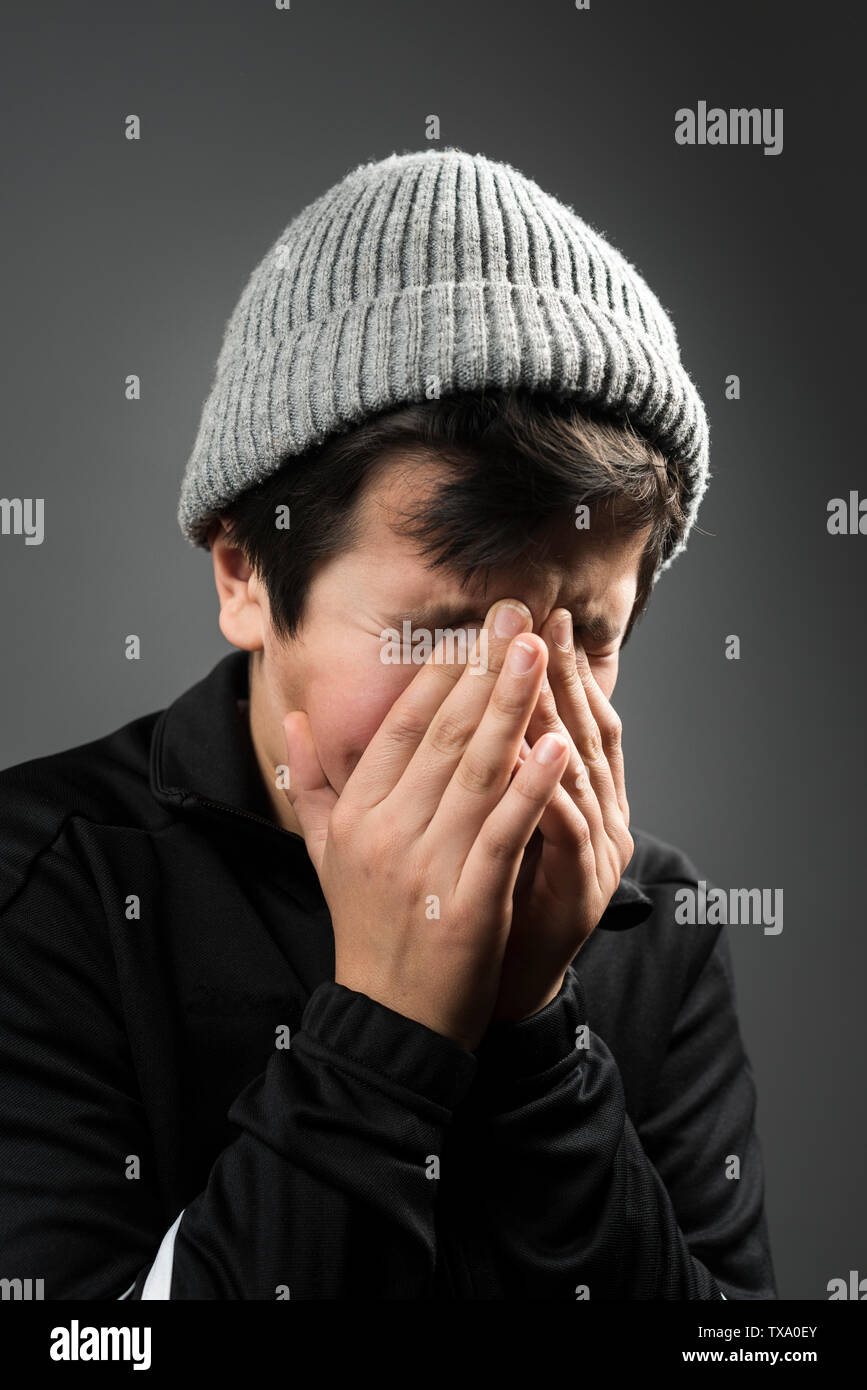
<point x="555" y="1183"/>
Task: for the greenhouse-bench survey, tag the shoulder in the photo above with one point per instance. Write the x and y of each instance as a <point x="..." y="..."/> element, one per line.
<point x="660" y="979"/>
<point x="663" y="871"/>
<point x="103" y="782"/>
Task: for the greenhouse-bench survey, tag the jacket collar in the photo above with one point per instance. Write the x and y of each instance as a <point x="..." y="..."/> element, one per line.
<point x="203" y="762"/>
<point x="202" y="755"/>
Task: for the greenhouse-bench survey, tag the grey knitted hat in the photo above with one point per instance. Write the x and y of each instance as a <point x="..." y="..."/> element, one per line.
<point x="434" y="265"/>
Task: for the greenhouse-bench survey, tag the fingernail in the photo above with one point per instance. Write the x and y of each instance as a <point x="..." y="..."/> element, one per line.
<point x="509" y="620"/>
<point x="548" y="749"/>
<point x="522" y="657"/>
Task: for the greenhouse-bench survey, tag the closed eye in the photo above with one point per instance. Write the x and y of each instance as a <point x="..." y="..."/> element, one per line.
<point x="587" y="646"/>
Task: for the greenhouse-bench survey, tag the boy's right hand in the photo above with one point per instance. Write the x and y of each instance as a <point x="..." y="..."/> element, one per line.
<point x="419" y="854"/>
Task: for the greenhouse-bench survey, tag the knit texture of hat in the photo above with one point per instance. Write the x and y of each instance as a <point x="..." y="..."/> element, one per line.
<point x="434" y="266"/>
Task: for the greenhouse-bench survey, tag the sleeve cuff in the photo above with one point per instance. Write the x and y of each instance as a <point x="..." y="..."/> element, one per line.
<point x="539" y="1042"/>
<point x="397" y="1048"/>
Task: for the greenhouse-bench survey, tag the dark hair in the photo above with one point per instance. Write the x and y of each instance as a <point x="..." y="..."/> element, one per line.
<point x="519" y="460"/>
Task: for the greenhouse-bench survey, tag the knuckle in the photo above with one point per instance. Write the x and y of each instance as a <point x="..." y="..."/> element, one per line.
<point x="495" y="659"/>
<point x="508" y="699"/>
<point x="581" y="667"/>
<point x="407" y="726"/>
<point x="449" y="733"/>
<point x="591" y="744"/>
<point x="549" y="719"/>
<point x="476" y="774"/>
<point x="498" y="847"/>
<point x="622" y="847"/>
<point x="612" y="732"/>
<point x="571" y="678"/>
<point x="582" y="834"/>
<point x="528" y="786"/>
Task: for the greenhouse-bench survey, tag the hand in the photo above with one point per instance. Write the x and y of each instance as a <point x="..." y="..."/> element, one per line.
<point x="577" y="854"/>
<point x="419" y="855"/>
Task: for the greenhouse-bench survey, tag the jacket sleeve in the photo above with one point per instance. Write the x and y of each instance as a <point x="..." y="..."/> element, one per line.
<point x="328" y="1191"/>
<point x="561" y="1197"/>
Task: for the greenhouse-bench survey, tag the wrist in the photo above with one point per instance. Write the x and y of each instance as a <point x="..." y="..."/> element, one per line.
<point x="512" y="1052"/>
<point x="516" y="1011"/>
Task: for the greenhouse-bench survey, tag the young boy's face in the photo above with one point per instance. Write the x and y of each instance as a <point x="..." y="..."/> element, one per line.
<point x="334" y="669"/>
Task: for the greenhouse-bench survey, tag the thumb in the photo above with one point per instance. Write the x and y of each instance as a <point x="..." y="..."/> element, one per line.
<point x="309" y="793"/>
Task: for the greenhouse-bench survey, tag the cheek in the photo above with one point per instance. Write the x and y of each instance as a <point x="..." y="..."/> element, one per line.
<point x="605" y="675"/>
<point x="346" y="704"/>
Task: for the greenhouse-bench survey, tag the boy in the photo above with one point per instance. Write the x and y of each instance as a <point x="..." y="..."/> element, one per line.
<point x="345" y="976"/>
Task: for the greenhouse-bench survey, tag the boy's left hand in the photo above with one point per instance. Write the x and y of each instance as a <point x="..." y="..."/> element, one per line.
<point x="573" y="863"/>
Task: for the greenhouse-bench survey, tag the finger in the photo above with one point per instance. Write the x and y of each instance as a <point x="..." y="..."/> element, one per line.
<point x="492" y="864"/>
<point x="546" y="719"/>
<point x="309" y="792"/>
<point x="606" y="718"/>
<point x="608" y="723"/>
<point x="568" y="857"/>
<point x="524" y="752"/>
<point x="392" y="747"/>
<point x="570" y="863"/>
<point x="573" y="686"/>
<point x="433" y="764"/>
<point x="482" y="773"/>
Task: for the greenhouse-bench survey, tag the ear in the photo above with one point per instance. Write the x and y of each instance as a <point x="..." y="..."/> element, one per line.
<point x="244" y="611"/>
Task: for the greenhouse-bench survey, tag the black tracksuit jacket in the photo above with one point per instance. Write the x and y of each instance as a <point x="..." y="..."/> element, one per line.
<point x="191" y="1108"/>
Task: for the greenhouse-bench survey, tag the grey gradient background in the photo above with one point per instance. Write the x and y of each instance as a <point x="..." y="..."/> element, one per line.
<point x="126" y="257"/>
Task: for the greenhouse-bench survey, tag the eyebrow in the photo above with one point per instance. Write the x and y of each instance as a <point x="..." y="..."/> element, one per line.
<point x="443" y="615"/>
